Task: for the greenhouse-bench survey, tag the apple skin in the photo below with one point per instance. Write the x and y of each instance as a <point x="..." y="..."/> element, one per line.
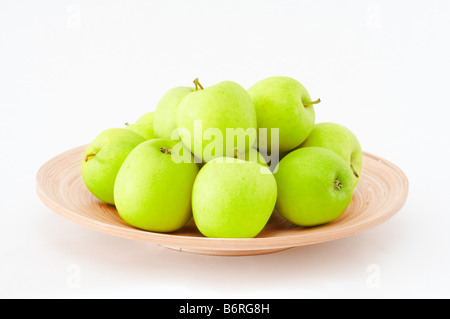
<point x="252" y="155"/>
<point x="233" y="198"/>
<point x="152" y="191"/>
<point x="144" y="126"/>
<point x="340" y="140"/>
<point x="315" y="186"/>
<point x="166" y="110"/>
<point x="281" y="102"/>
<point x="103" y="159"/>
<point x="220" y="106"/>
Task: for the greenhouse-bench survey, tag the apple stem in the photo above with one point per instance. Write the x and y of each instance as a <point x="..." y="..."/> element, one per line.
<point x="337" y="184"/>
<point x="197" y="84"/>
<point x="127" y="124"/>
<point x="238" y="154"/>
<point x="89" y="156"/>
<point x="312" y="102"/>
<point x="165" y="150"/>
<point x="354" y="171"/>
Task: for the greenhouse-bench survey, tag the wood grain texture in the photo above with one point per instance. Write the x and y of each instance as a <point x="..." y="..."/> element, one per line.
<point x="381" y="192"/>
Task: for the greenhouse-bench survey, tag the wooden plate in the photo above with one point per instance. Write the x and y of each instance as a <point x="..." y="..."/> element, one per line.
<point x="381" y="192"/>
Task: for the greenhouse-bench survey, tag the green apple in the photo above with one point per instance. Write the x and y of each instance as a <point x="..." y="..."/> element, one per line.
<point x="215" y="120"/>
<point x="282" y="103"/>
<point x="153" y="188"/>
<point x="315" y="186"/>
<point x="232" y="198"/>
<point x="165" y="112"/>
<point x="103" y="159"/>
<point x="251" y="155"/>
<point x="340" y="140"/>
<point x="144" y="126"/>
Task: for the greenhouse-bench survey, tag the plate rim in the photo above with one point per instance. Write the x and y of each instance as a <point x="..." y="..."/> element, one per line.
<point x="210" y="243"/>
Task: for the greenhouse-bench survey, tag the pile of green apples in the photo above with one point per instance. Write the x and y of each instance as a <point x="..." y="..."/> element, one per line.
<point x="228" y="158"/>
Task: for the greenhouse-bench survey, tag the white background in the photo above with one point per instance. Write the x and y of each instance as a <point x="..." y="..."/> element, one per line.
<point x="70" y="69"/>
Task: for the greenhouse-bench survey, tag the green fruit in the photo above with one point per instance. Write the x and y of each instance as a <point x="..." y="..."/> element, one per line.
<point x="282" y="103"/>
<point x="144" y="126"/>
<point x="233" y="198"/>
<point x="153" y="189"/>
<point x="165" y="113"/>
<point x="215" y="120"/>
<point x="103" y="159"/>
<point x="340" y="140"/>
<point x="315" y="186"/>
<point x="251" y="155"/>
